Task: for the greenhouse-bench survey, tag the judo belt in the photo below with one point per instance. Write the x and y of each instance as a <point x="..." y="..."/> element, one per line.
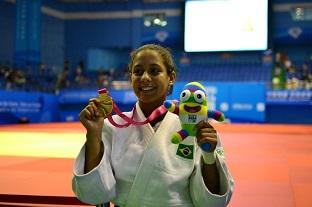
<point x="107" y="106"/>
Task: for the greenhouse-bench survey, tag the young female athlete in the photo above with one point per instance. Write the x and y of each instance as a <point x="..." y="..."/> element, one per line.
<point x="138" y="165"/>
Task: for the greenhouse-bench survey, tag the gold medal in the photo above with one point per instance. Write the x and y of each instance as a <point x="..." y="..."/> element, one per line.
<point x="106" y="103"/>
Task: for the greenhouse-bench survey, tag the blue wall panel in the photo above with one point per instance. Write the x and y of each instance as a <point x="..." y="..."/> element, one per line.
<point x="52" y="41"/>
<point x="7" y="31"/>
<point x="85" y="34"/>
<point x="28" y="33"/>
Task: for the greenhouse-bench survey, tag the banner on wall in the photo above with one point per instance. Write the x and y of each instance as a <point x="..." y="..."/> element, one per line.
<point x="21" y="107"/>
<point x="303" y="97"/>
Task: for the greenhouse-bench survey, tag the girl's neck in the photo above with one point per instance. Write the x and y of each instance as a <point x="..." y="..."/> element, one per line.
<point x="148" y="108"/>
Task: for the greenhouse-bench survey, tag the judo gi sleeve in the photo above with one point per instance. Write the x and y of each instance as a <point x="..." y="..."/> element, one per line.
<point x="98" y="185"/>
<point x="200" y="194"/>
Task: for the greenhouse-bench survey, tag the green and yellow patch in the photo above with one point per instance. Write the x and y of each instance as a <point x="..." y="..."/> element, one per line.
<point x="185" y="151"/>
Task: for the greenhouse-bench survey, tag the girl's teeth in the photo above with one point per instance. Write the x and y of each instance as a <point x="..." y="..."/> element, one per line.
<point x="147" y="89"/>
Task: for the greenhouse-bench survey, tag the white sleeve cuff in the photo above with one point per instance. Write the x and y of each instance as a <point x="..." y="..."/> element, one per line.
<point x="209" y="157"/>
<point x="96" y="186"/>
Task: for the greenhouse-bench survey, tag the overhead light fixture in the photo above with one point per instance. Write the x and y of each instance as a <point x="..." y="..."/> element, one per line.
<point x="155" y="19"/>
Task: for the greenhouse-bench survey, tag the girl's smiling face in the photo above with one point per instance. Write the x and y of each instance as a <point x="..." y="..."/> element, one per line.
<point x="149" y="78"/>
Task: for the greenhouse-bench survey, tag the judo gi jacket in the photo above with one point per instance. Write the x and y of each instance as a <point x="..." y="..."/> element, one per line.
<point x="141" y="167"/>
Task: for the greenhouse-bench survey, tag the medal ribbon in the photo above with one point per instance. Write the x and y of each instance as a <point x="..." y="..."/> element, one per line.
<point x="156" y="113"/>
<point x="107" y="106"/>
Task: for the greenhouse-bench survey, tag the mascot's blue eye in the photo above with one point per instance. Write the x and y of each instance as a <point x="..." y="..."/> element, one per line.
<point x="185" y="95"/>
<point x="199" y="96"/>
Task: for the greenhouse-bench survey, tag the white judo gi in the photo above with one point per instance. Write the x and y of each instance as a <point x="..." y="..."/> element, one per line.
<point x="140" y="167"/>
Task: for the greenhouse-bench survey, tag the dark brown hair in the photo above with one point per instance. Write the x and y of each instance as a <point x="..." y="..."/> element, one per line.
<point x="162" y="51"/>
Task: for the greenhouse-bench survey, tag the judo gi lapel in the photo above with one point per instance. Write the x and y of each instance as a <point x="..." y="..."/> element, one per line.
<point x="148" y="131"/>
<point x="146" y="167"/>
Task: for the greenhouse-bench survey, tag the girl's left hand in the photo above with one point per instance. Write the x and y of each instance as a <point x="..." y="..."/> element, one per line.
<point x="206" y="134"/>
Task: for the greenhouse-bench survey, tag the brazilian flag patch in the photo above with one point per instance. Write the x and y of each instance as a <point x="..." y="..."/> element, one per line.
<point x="185" y="151"/>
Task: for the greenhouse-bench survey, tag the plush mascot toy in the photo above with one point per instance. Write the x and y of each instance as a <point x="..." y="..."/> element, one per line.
<point x="191" y="109"/>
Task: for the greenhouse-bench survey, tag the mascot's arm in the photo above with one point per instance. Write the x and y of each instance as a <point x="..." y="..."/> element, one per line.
<point x="216" y="115"/>
<point x="172" y="106"/>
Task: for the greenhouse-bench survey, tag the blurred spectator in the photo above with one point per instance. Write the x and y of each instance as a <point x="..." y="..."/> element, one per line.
<point x="81" y="65"/>
<point x="292" y="81"/>
<point x="79" y="78"/>
<point x="279" y="72"/>
<point x="66" y="65"/>
<point x="120" y="74"/>
<point x="305" y="77"/>
<point x="42" y="69"/>
<point x="287" y="75"/>
<point x="63" y="78"/>
<point x="19" y="78"/>
<point x="62" y="81"/>
<point x="14" y="79"/>
<point x="3" y="70"/>
<point x="103" y="79"/>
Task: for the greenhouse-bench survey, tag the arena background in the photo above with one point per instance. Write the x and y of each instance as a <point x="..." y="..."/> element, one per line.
<point x="54" y="55"/>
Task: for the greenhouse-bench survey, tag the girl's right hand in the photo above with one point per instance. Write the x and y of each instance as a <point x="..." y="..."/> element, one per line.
<point x="90" y="117"/>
